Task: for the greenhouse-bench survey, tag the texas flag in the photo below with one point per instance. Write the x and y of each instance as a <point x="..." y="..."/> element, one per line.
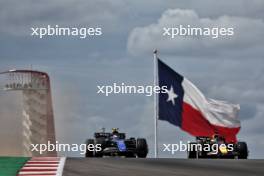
<point x="185" y="106"/>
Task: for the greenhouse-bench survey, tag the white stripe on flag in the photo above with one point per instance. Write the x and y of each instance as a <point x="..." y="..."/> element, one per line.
<point x="217" y="112"/>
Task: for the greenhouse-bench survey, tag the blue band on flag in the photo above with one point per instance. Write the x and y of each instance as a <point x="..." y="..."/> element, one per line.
<point x="170" y="108"/>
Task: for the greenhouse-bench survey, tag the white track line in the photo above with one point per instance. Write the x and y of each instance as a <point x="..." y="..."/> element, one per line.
<point x="61" y="166"/>
<point x="43" y="166"/>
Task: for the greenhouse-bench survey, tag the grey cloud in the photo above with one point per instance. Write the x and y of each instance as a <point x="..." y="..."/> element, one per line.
<point x="214" y="8"/>
<point x="18" y="19"/>
<point x="17" y="16"/>
<point x="248" y="111"/>
<point x="247" y="34"/>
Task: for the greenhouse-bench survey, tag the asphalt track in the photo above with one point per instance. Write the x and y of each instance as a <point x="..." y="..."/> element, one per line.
<point x="161" y="167"/>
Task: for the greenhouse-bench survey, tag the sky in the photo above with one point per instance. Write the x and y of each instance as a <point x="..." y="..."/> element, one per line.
<point x="225" y="69"/>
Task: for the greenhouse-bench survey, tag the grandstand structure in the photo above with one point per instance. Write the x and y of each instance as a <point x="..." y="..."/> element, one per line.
<point x="38" y="118"/>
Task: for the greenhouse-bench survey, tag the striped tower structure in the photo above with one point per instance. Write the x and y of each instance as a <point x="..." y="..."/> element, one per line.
<point x="38" y="119"/>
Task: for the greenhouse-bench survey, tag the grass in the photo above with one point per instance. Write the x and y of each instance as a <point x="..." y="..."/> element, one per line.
<point x="9" y="166"/>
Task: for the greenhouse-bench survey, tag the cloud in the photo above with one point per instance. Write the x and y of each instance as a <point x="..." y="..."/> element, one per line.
<point x="16" y="18"/>
<point x="247" y="35"/>
<point x="214" y="8"/>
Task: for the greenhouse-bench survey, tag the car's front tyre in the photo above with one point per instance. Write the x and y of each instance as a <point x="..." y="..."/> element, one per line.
<point x="242" y="150"/>
<point x="142" y="148"/>
<point x="88" y="152"/>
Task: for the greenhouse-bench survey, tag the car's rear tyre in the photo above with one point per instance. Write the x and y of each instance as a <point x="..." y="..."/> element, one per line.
<point x="89" y="153"/>
<point x="192" y="153"/>
<point x="100" y="141"/>
<point x="242" y="150"/>
<point x="142" y="148"/>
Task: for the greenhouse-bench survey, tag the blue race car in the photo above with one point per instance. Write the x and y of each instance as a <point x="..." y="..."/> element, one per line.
<point x="116" y="144"/>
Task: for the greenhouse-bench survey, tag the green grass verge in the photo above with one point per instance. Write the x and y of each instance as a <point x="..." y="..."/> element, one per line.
<point x="9" y="166"/>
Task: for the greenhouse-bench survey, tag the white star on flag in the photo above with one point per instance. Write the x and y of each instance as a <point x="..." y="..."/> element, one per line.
<point x="171" y="95"/>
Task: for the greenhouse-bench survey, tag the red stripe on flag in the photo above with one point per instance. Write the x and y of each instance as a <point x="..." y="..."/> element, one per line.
<point x="194" y="123"/>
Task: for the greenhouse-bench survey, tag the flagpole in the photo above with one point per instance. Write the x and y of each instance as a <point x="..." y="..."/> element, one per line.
<point x="155" y="59"/>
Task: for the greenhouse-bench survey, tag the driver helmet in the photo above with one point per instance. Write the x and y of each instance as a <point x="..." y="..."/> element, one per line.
<point x="215" y="137"/>
<point x="115" y="130"/>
